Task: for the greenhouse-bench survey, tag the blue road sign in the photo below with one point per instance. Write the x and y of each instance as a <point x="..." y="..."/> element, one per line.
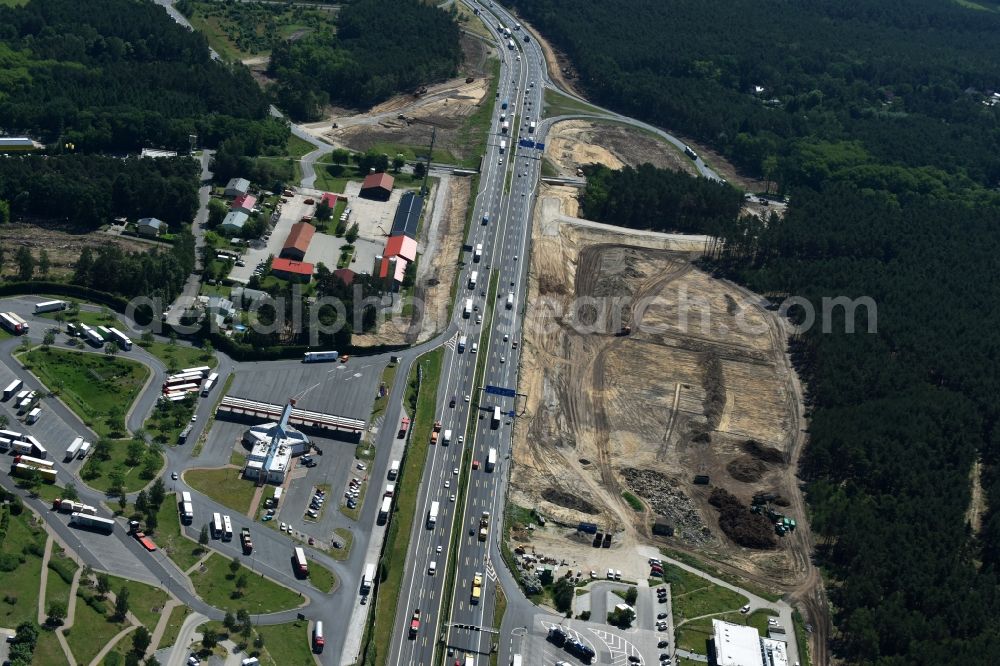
<point x="511" y="414"/>
<point x="499" y="390"/>
<point x="540" y="146"/>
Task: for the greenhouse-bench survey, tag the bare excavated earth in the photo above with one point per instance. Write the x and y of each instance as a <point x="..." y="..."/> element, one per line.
<point x="575" y="143"/>
<point x="680" y="396"/>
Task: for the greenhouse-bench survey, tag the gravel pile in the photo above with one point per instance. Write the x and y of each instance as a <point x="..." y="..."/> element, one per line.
<point x="670" y="502"/>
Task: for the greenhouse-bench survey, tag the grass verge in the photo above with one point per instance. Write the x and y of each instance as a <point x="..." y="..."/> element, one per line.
<point x="557" y="104"/>
<point x="110" y="465"/>
<point x="145" y="601"/>
<point x="286" y="644"/>
<point x="179" y="356"/>
<point x="92" y="627"/>
<point x="732" y="579"/>
<point x="693" y="596"/>
<point x="174" y="624"/>
<point x="224" y="485"/>
<point x="694" y="635"/>
<point x="183" y="551"/>
<point x="422" y="403"/>
<point x="217" y="585"/>
<point x="321" y="578"/>
<point x="801" y="639"/>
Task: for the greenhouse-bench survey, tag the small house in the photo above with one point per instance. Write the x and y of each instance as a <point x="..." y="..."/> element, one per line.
<point x="150" y="227"/>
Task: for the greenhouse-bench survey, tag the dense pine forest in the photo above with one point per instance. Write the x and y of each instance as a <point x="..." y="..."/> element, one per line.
<point x="381" y="47"/>
<point x="870" y="115"/>
<point x="116" y="76"/>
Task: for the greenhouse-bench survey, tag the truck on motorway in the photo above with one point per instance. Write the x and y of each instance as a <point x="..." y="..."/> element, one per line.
<point x="74" y="448"/>
<point x="404" y="427"/>
<point x="12" y="389"/>
<point x="13" y="323"/>
<point x="447" y="437"/>
<point x="531" y="126"/>
<point x="393" y="470"/>
<point x="510" y="300"/>
<point x="473" y="278"/>
<point x="49" y="306"/>
<point x="477" y="255"/>
<point x="384" y="509"/>
<point x="491" y="459"/>
<point x="95" y="523"/>
<point x="503" y="146"/>
<point x="505" y="127"/>
<point x="246" y="541"/>
<point x="495" y="423"/>
<point x="368" y="579"/>
<point x="484" y="526"/>
<point x="462" y="340"/>
<point x="477" y="587"/>
<point x="432" y="515"/>
<point x="467" y="310"/>
<point x="415" y="623"/>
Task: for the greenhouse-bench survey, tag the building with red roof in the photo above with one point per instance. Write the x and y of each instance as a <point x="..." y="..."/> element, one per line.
<point x="346" y="275"/>
<point x="298" y="241"/>
<point x="401" y="246"/>
<point x="244" y="203"/>
<point x="377" y="186"/>
<point x="331" y="199"/>
<point x="293" y="271"/>
<point x="391" y="271"/>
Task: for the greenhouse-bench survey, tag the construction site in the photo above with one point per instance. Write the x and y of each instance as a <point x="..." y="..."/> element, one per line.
<point x="660" y="401"/>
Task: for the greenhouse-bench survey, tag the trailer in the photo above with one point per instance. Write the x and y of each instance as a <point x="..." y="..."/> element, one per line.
<point x="91" y="336"/>
<point x="301" y="564"/>
<point x="467" y="310"/>
<point x="531" y="126"/>
<point x="209" y="384"/>
<point x="120" y="338"/>
<point x="4" y="444"/>
<point x="13" y="323"/>
<point x="135" y="530"/>
<point x="393" y="470"/>
<point x="12" y="389"/>
<point x="505" y="127"/>
<point x="29" y="401"/>
<point x="217" y="525"/>
<point x="320" y="357"/>
<point x="404" y="427"/>
<point x="34" y="462"/>
<point x="33" y="416"/>
<point x="50" y="306"/>
<point x="477" y="255"/>
<point x="37" y="449"/>
<point x="201" y="369"/>
<point x="47" y="473"/>
<point x="495" y="423"/>
<point x="473" y="278"/>
<point x="432" y="515"/>
<point x="510" y="300"/>
<point x="74" y="448"/>
<point x="462" y="340"/>
<point x="384" y="510"/>
<point x="11" y="435"/>
<point x="21" y="446"/>
<point x="227" y="528"/>
<point x="95" y="523"/>
<point x="446" y="440"/>
<point x="503" y="146"/>
<point x="187" y="513"/>
<point x="368" y="579"/>
<point x="491" y="459"/>
<point x="246" y="541"/>
<point x="84" y="450"/>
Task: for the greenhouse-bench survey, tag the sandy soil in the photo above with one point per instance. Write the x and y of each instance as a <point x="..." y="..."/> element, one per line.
<point x="574" y="143"/>
<point x="63" y="246"/>
<point x="601" y="406"/>
<point x="444" y="106"/>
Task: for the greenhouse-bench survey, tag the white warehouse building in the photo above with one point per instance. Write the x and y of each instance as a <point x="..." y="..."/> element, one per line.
<point x="738" y="645"/>
<point x="272" y="446"/>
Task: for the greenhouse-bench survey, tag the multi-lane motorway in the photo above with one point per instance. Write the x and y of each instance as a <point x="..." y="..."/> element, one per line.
<point x="509" y="176"/>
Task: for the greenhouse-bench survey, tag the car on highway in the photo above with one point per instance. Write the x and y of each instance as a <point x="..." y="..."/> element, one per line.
<point x="467" y="397"/>
<point x="455" y="471"/>
<point x="503" y="359"/>
<point x="438" y="549"/>
<point x="453" y="497"/>
<point x="447" y="483"/>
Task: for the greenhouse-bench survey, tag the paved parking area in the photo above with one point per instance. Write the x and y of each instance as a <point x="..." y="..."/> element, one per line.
<point x="611" y="645"/>
<point x="324" y="249"/>
<point x="291" y="212"/>
<point x="374" y="218"/>
<point x="332" y="388"/>
<point x="334" y="468"/>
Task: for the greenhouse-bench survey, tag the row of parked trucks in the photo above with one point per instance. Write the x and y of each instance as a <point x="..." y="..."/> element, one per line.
<point x="25" y="401"/>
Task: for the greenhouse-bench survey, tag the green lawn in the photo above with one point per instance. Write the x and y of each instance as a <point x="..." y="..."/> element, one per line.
<point x="19" y="596"/>
<point x="290" y="642"/>
<point x="633" y="501"/>
<point x="347" y="538"/>
<point x="145" y="601"/>
<point x="321" y="577"/>
<point x="179" y="356"/>
<point x="168" y="537"/>
<point x="98" y="388"/>
<point x="473" y="133"/>
<point x="693" y="596"/>
<point x="214" y="583"/>
<point x="693" y="561"/>
<point x="61" y="570"/>
<point x="398" y="536"/>
<point x="297" y="147"/>
<point x="99" y="474"/>
<point x="692" y="636"/>
<point x="557" y="104"/>
<point x="92" y="629"/>
<point x="47" y="650"/>
<point x="174" y="624"/>
<point x="224" y="485"/>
